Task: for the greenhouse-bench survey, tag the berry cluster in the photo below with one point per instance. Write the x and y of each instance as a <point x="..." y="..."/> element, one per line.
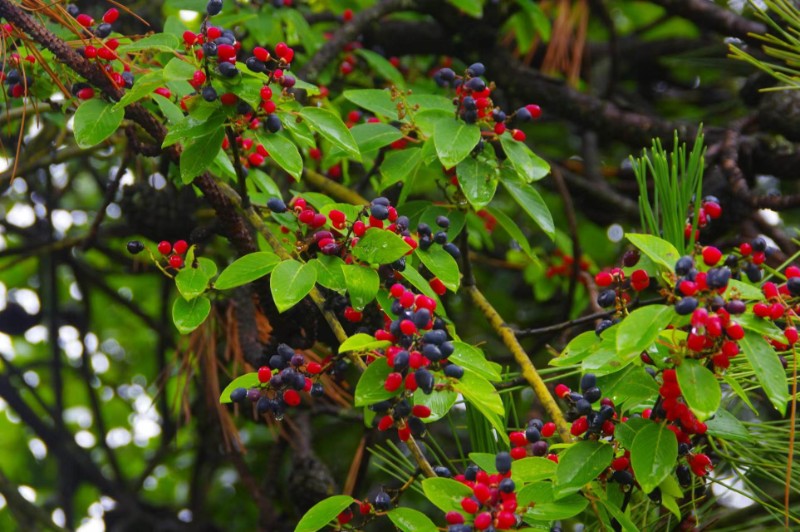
<point x="15" y="78"/>
<point x="586" y="421"/>
<point x="281" y="382"/>
<point x="101" y="48"/>
<point x="672" y="408"/>
<point x="493" y="503"/>
<point x="530" y="440"/>
<point x="173" y="253"/>
<point x="616" y="284"/>
<point x="334" y="234"/>
<point x="474" y="104"/>
<point x="710" y="210"/>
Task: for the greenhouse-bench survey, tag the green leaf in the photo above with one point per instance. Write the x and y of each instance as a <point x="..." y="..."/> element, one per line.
<point x="284" y="152"/>
<point x="290" y="282"/>
<point x="382" y="67"/>
<point x="746" y="291"/>
<point x="545" y="506"/>
<point x="513" y="230"/>
<point x="445" y="493"/>
<point x="440" y="402"/>
<point x="434" y="102"/>
<point x="473" y="8"/>
<point x="178" y="69"/>
<point x="374" y="135"/>
<point x="480" y="393"/>
<point x="246" y="269"/>
<point x="398" y="164"/>
<point x="323" y="513"/>
<point x="530" y="200"/>
<point x="768" y="369"/>
<point x="144" y="86"/>
<point x="380" y="247"/>
<point x="653" y="455"/>
<point x="410" y="520"/>
<point x="329" y="272"/>
<point x="577" y="349"/>
<point x="378" y="101"/>
<point x="699" y="387"/>
<point x="472" y="358"/>
<point x="626" y="432"/>
<point x="173" y="113"/>
<point x="369" y="389"/>
<point x="163" y="42"/>
<point x="761" y="326"/>
<point x="191" y="127"/>
<point x="95" y="121"/>
<point x="640" y="329"/>
<point x="728" y="427"/>
<point x="659" y="250"/>
<point x="478" y="180"/>
<point x="189" y="315"/>
<point x="616" y="512"/>
<point x="580" y="464"/>
<point x="192" y="281"/>
<point x="528" y="165"/>
<point x="533" y="469"/>
<point x="198" y="154"/>
<point x="442" y="265"/>
<point x="454" y="140"/>
<point x="330" y="126"/>
<point x="629" y="388"/>
<point x="248" y="380"/>
<point x="362" y="342"/>
<point x="362" y="284"/>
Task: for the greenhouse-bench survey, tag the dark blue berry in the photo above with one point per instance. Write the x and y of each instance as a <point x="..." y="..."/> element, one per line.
<point x="134" y="247"/>
<point x="425" y="380"/>
<point x="452" y="249"/>
<point x="683" y="265"/>
<point x="442" y="471"/>
<point x="502" y="461"/>
<point x="213" y="7"/>
<point x="238" y="395"/>
<point x="686" y="306"/>
<point x="532" y="434"/>
<point x="379" y="212"/>
<point x="476" y="69"/>
<point x="607" y="298"/>
<point x="273" y="123"/>
<point x="276" y="205"/>
<point x="506" y="485"/>
<point x="589" y="380"/>
<point x="453" y="370"/>
<point x="228" y="70"/>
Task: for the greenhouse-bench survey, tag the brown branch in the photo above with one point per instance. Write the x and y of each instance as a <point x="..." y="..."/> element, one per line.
<point x="709" y="15"/>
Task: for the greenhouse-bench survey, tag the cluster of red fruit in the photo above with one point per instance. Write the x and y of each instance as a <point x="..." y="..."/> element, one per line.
<point x="493" y="503"/>
<point x="530" y="443"/>
<point x="12" y="71"/>
<point x="100" y="47"/>
<point x="561" y="264"/>
<point x="288" y="374"/>
<point x="710" y="210"/>
<point x="474" y="103"/>
<point x="615" y="286"/>
<point x="682" y="420"/>
<point x="586" y="421"/>
<point x="173" y="252"/>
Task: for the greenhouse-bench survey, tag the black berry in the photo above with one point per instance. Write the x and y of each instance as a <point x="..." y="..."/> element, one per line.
<point x="134" y="247"/>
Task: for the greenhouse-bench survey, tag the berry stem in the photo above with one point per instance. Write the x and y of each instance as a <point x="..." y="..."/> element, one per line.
<point x="521" y="357"/>
<point x="422" y="462"/>
<point x="237" y="165"/>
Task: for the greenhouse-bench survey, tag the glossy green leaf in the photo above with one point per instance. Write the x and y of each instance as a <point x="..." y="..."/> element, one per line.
<point x="442" y="265"/>
<point x="198" y="154"/>
<point x="331" y="127"/>
<point x="472" y="358"/>
<point x="528" y="165"/>
<point x="362" y="284"/>
<point x="362" y="342"/>
<point x="374" y="135"/>
<point x="513" y="230"/>
<point x="284" y="152"/>
<point x="248" y="380"/>
<point x="410" y="520"/>
<point x="760" y="326"/>
<point x="398" y="164"/>
<point x="445" y="493"/>
<point x="369" y="389"/>
<point x="473" y="8"/>
<point x="323" y="513"/>
<point x="246" y="269"/>
<point x="163" y="42"/>
<point x="95" y="120"/>
<point x="485" y="461"/>
<point x="580" y="464"/>
<point x="144" y="86"/>
<point x="329" y="272"/>
<point x="189" y="315"/>
<point x="530" y="200"/>
<point x="640" y="329"/>
<point x="190" y="128"/>
<point x="193" y="279"/>
<point x="290" y="282"/>
<point x="378" y="101"/>
<point x="746" y="291"/>
<point x="533" y="469"/>
<point x="699" y="387"/>
<point x="626" y="432"/>
<point x="382" y="67"/>
<point x="454" y="140"/>
<point x="380" y="247"/>
<point x="478" y="179"/>
<point x="768" y="369"/>
<point x="659" y="250"/>
<point x="480" y="393"/>
<point x="653" y="455"/>
<point x="577" y="349"/>
<point x="728" y="427"/>
<point x="440" y="402"/>
<point x="546" y="505"/>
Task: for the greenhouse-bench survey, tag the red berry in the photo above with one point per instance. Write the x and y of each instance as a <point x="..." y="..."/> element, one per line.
<point x="408" y="327"/>
<point x="264" y="374"/>
<point x="579" y="426"/>
<point x="735" y="331"/>
<point x="180" y="247"/>
<point x="347" y="16"/>
<point x="385" y="423"/>
<point x="791" y="335"/>
<point x="483" y="520"/>
<point x="518" y="453"/>
<point x="84" y="20"/>
<point x="711" y="255"/>
<point x="397" y="290"/>
<point x="229" y="98"/>
<point x="255" y="159"/>
<point x="603" y="279"/>
<point x="364" y="508"/>
<point x="713" y="210"/>
<point x="87" y="93"/>
<point x="281" y="49"/>
<point x="345" y="517"/>
<point x="620" y="464"/>
<point x="111" y="16"/>
<point x="640" y="280"/>
<point x="176" y="261"/>
<point x="548" y="429"/>
<point x="261" y="54"/>
<point x="518" y="135"/>
<point x="313" y="368"/>
<point x="352" y="315"/>
<point x="518" y="439"/>
<point x="164" y="247"/>
<point x="291" y="397"/>
<point x="411" y="383"/>
<point x="421" y="411"/>
<point x="469" y="505"/>
<point x="534" y="110"/>
<point x="562" y="390"/>
<point x="438" y="287"/>
<point x="393" y="382"/>
<point x="454" y="518"/>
